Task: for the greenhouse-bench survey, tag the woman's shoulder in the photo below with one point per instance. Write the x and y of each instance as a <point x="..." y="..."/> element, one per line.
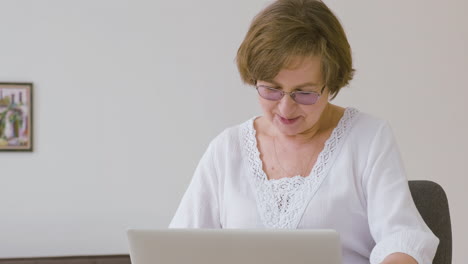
<point x="234" y="135"/>
<point x="368" y="122"/>
<point x="365" y="128"/>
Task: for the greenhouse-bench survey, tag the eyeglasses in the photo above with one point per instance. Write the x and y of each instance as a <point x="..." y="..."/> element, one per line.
<point x="300" y="97"/>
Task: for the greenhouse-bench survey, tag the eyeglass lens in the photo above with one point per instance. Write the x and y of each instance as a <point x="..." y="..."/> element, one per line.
<point x="298" y="97"/>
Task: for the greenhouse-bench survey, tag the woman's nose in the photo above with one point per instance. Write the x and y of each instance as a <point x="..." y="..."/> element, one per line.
<point x="287" y="105"/>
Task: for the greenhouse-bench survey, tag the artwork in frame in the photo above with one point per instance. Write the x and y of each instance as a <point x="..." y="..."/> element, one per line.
<point x="16" y="116"/>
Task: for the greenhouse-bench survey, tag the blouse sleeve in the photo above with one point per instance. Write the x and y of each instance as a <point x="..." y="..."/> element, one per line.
<point x="394" y="220"/>
<point x="199" y="207"/>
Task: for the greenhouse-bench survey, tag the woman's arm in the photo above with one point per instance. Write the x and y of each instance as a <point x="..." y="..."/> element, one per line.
<point x="394" y="221"/>
<point x="199" y="207"/>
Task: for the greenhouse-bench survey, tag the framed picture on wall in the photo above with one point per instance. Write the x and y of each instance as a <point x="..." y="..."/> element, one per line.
<point x="16" y="117"/>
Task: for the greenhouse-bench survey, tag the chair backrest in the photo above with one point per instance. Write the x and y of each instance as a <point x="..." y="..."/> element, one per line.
<point x="432" y="204"/>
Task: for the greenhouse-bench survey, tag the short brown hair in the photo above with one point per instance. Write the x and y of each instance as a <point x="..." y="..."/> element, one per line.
<point x="289" y="28"/>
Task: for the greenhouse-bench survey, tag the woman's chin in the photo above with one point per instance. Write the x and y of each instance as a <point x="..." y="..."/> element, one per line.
<point x="287" y="130"/>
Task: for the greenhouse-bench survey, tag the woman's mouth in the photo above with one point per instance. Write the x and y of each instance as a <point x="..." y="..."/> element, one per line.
<point x="288" y="121"/>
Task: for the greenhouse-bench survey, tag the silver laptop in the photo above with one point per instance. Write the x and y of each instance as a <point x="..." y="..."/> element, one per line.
<point x="234" y="246"/>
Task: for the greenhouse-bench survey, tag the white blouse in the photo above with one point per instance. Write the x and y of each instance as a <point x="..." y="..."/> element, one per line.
<point x="357" y="187"/>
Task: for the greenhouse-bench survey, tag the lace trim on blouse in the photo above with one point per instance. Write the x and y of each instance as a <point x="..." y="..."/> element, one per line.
<point x="282" y="202"/>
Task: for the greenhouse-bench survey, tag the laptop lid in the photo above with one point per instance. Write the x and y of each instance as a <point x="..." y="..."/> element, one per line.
<point x="234" y="246"/>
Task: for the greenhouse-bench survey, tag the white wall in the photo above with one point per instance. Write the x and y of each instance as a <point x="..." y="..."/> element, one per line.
<point x="129" y="93"/>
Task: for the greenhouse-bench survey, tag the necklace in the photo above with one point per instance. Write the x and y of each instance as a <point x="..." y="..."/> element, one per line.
<point x="303" y="170"/>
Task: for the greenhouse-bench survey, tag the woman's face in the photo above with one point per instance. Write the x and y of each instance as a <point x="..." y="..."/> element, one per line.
<point x="288" y="117"/>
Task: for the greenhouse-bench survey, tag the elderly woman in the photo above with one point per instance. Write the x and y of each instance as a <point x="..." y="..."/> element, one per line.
<point x="306" y="163"/>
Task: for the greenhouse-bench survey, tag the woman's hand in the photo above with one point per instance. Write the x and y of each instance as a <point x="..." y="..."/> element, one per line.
<point x="399" y="258"/>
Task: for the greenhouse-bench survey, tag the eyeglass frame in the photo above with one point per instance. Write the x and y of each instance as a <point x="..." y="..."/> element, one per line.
<point x="291" y="94"/>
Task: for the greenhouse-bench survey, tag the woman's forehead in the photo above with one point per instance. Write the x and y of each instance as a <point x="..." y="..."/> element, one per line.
<point x="304" y="70"/>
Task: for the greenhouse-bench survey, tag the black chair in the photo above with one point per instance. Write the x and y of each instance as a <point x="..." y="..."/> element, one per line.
<point x="432" y="204"/>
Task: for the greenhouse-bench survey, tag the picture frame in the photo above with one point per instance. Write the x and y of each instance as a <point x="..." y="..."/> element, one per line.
<point x="16" y="116"/>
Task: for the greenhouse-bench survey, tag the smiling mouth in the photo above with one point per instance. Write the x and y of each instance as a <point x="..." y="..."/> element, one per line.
<point x="288" y="121"/>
